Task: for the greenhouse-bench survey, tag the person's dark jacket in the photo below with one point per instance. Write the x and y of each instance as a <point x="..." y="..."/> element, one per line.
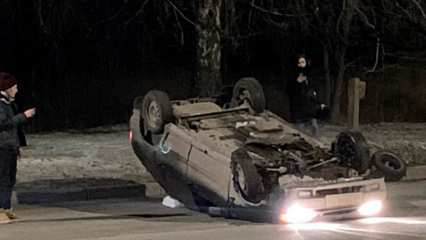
<point x="9" y="124"/>
<point x="304" y="102"/>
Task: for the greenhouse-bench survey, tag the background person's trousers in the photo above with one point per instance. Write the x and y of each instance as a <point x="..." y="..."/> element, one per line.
<point x="310" y="127"/>
<point x="8" y="160"/>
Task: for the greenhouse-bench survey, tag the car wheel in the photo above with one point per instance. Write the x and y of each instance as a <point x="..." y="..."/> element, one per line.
<point x="246" y="179"/>
<point x="156" y="111"/>
<point x="248" y="90"/>
<point x="392" y="167"/>
<point x="353" y="149"/>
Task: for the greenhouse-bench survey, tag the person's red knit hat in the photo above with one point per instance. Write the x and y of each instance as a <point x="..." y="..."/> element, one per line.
<point x="7" y="81"/>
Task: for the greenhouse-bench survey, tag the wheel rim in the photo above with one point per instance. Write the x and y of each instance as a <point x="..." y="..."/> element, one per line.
<point x="153" y="114"/>
<point x="244" y="97"/>
<point x="241" y="178"/>
<point x="387" y="160"/>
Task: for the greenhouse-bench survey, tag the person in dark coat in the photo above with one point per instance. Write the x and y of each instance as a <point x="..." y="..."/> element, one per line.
<point x="10" y="121"/>
<point x="304" y="101"/>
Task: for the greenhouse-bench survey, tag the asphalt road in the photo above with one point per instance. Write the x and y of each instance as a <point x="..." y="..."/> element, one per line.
<point x="405" y="218"/>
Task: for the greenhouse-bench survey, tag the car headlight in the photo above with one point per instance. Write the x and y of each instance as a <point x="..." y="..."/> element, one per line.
<point x="370" y="208"/>
<point x="298" y="214"/>
<point x="305" y="193"/>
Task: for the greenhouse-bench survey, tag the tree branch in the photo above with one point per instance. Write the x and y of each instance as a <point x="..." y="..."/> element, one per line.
<point x="182" y="35"/>
<point x="273" y="12"/>
<point x="182" y="15"/>
<point x="342" y="13"/>
<point x="113" y="16"/>
<point x="140" y="11"/>
<point x="40" y="17"/>
<point x="419" y="6"/>
<point x="364" y="17"/>
<point x="377" y="56"/>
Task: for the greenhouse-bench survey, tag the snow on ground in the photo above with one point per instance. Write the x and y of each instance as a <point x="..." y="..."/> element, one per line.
<point x="95" y="154"/>
<point x="105" y="153"/>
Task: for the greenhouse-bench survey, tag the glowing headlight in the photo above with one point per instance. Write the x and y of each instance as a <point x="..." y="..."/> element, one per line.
<point x="370" y="208"/>
<point x="298" y="214"/>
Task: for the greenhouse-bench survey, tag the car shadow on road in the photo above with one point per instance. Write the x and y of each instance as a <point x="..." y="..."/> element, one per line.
<point x="76" y="189"/>
<point x="97" y="198"/>
<point x="107" y="198"/>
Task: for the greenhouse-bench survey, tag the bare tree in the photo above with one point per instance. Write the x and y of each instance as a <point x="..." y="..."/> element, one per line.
<point x="209" y="46"/>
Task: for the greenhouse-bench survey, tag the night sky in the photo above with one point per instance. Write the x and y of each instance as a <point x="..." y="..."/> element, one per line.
<point x="81" y="63"/>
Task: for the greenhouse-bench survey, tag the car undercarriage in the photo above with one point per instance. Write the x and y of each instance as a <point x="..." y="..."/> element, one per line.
<point x="237" y="154"/>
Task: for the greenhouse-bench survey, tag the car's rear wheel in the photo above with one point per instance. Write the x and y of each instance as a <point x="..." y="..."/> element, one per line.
<point x="249" y="90"/>
<point x="247" y="181"/>
<point x="353" y="149"/>
<point x="392" y="167"/>
<point x="156" y="111"/>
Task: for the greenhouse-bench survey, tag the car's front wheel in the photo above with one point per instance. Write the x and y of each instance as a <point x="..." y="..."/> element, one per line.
<point x="392" y="167"/>
<point x="353" y="149"/>
<point x="248" y="90"/>
<point x="156" y="111"/>
<point x="247" y="181"/>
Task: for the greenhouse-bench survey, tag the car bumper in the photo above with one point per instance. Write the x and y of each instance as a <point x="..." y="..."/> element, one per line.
<point x="349" y="199"/>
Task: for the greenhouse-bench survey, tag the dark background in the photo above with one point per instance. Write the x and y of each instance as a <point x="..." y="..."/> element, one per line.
<point x="82" y="62"/>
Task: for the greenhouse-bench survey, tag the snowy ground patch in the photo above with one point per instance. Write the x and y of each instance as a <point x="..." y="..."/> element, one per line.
<point x="105" y="153"/>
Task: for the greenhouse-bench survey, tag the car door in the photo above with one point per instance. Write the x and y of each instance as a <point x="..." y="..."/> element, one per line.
<point x="178" y="143"/>
<point x="209" y="171"/>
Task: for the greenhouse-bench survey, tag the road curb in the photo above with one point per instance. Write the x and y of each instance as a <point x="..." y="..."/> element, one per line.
<point x="415" y="173"/>
<point x="23" y="196"/>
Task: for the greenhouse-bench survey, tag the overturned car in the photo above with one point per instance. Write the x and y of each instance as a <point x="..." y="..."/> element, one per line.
<point x="230" y="156"/>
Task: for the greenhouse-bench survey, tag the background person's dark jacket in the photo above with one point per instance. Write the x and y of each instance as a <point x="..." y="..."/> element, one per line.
<point x="304" y="102"/>
<point x="9" y="125"/>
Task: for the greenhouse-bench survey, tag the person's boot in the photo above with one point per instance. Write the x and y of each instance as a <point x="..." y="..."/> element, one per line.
<point x="9" y="212"/>
<point x="4" y="218"/>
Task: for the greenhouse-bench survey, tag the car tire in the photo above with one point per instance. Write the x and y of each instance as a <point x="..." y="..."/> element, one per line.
<point x="392" y="167"/>
<point x="250" y="90"/>
<point x="247" y="181"/>
<point x="156" y="111"/>
<point x="354" y="151"/>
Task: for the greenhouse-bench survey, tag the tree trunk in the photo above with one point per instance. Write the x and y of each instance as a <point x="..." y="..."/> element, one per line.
<point x="338" y="88"/>
<point x="326" y="58"/>
<point x="209" y="47"/>
<point x="347" y="17"/>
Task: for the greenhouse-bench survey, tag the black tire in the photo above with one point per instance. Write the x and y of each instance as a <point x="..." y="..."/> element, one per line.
<point x="224" y="98"/>
<point x="138" y="104"/>
<point x="245" y="177"/>
<point x="354" y="151"/>
<point x="156" y="111"/>
<point x="250" y="90"/>
<point x="392" y="167"/>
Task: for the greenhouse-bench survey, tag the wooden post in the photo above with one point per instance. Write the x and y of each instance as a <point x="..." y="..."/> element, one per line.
<point x="356" y="91"/>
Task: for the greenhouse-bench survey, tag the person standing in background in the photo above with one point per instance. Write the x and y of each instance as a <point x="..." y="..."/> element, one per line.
<point x="304" y="101"/>
<point x="10" y="121"/>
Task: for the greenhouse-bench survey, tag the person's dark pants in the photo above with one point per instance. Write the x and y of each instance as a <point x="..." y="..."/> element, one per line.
<point x="310" y="127"/>
<point x="8" y="160"/>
